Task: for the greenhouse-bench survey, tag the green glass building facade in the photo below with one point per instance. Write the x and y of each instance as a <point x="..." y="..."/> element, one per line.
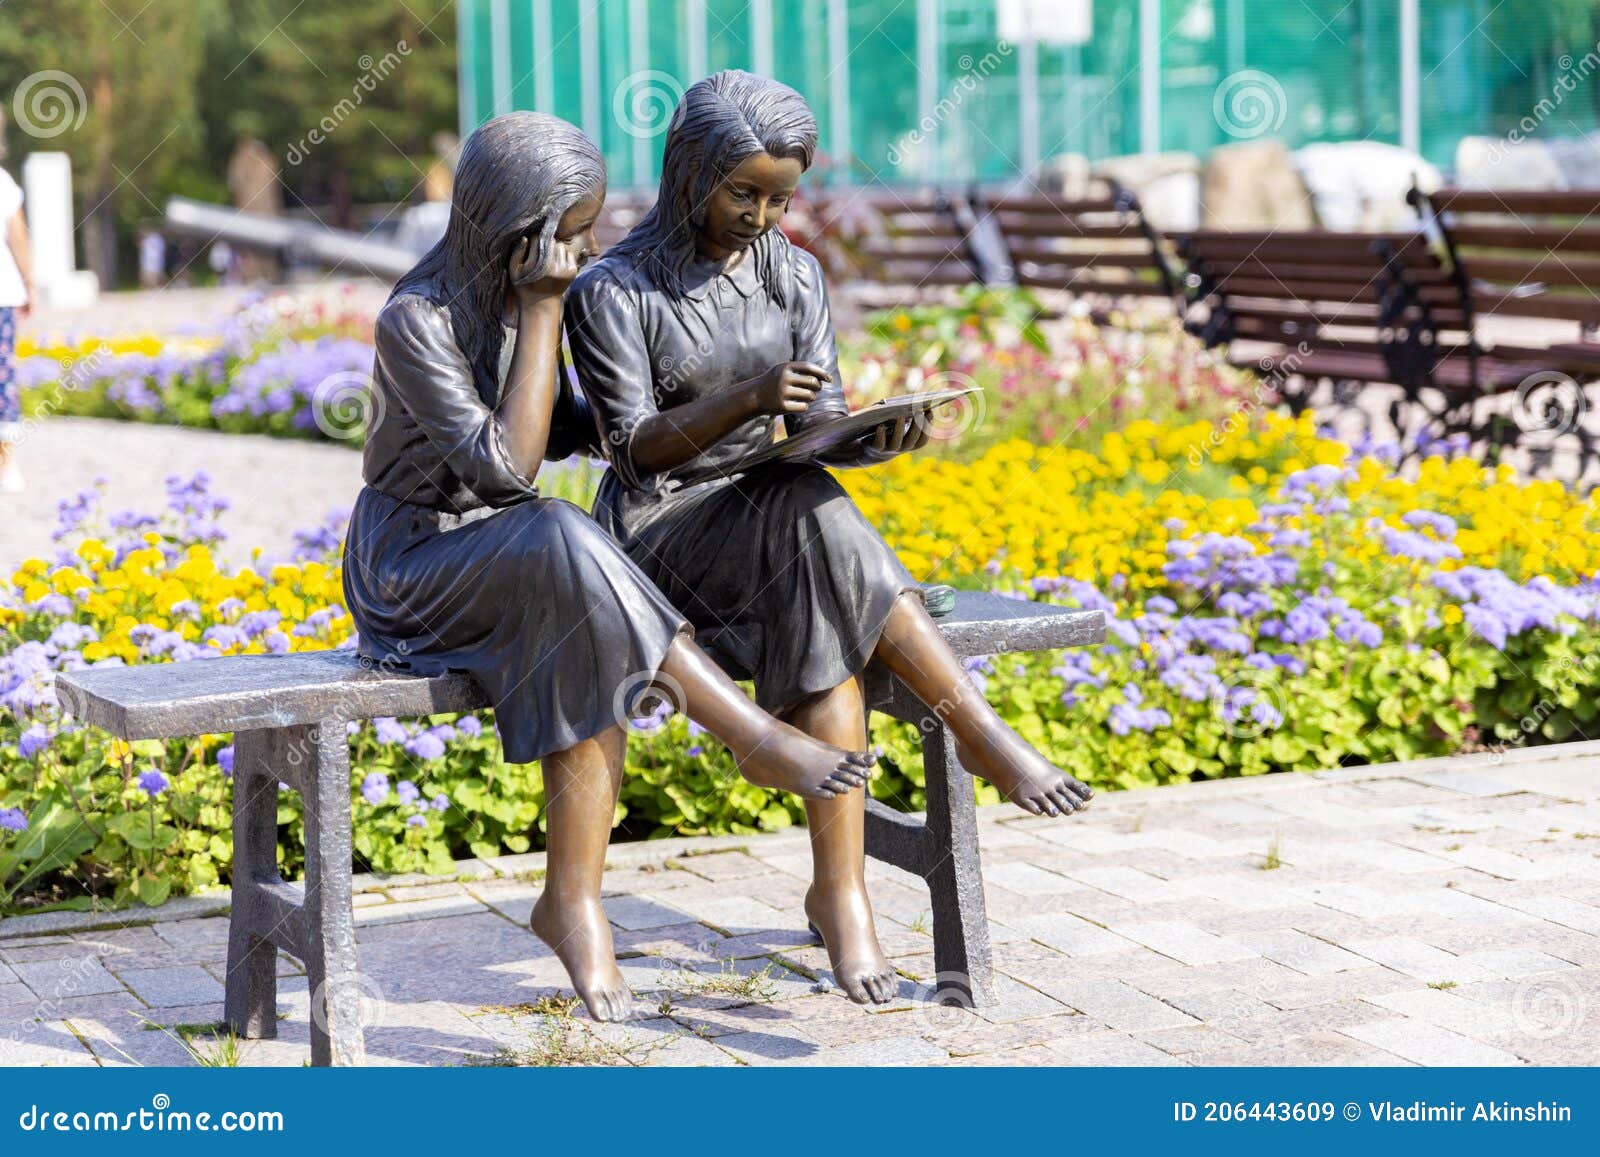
<point x="911" y="91"/>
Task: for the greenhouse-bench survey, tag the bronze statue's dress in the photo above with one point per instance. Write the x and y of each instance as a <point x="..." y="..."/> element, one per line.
<point x="784" y="579"/>
<point x="453" y="562"/>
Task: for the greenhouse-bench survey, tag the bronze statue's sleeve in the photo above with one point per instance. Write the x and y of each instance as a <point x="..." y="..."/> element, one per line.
<point x="418" y="358"/>
<point x="813" y="340"/>
<point x="606" y="337"/>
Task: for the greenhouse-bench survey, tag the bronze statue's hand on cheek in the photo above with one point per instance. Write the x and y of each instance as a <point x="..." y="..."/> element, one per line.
<point x="532" y="283"/>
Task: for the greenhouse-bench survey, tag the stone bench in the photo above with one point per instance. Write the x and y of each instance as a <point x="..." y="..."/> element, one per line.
<point x="288" y="715"/>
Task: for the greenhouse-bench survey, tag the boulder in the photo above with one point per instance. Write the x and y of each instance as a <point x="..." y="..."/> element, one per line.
<point x="1553" y="163"/>
<point x="1363" y="184"/>
<point x="1252" y="185"/>
<point x="1167" y="185"/>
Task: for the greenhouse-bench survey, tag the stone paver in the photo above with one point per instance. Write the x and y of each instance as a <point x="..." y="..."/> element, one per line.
<point x="1441" y="913"/>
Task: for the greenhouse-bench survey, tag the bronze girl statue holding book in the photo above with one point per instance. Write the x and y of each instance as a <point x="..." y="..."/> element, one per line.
<point x="691" y="337"/>
<point x="454" y="562"/>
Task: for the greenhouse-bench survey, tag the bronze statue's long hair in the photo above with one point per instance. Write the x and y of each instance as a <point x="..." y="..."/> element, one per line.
<point x="517" y="172"/>
<point x="720" y="122"/>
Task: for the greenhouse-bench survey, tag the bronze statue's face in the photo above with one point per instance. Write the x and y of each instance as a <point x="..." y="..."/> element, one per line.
<point x="751" y="200"/>
<point x="575" y="230"/>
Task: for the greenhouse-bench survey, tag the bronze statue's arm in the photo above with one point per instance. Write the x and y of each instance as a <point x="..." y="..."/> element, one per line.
<point x="528" y="401"/>
<point x="669" y="438"/>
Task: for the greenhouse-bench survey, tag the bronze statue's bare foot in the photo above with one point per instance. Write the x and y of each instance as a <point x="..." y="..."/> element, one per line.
<point x="844" y="922"/>
<point x="577" y="932"/>
<point x="1023" y="776"/>
<point x="788" y="759"/>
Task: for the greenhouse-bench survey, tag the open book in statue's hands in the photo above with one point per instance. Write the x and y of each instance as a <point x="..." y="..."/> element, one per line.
<point x="829" y="442"/>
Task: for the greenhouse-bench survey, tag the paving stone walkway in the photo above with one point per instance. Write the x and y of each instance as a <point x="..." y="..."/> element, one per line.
<point x="1437" y="913"/>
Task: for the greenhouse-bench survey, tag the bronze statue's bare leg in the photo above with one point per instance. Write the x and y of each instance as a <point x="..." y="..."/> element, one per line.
<point x="912" y="648"/>
<point x="837" y="903"/>
<point x="581" y="785"/>
<point x="769" y="753"/>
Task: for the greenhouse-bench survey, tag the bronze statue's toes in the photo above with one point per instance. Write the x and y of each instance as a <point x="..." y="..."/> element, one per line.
<point x="1064" y="799"/>
<point x="881" y="986"/>
<point x="853" y="988"/>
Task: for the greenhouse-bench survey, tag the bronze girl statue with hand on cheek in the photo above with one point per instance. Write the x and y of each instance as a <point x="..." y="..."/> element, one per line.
<point x="691" y="337"/>
<point x="453" y="561"/>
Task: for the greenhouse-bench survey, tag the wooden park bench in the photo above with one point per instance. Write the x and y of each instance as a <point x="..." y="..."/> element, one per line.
<point x="1353" y="310"/>
<point x="920" y="248"/>
<point x="289" y="713"/>
<point x="1103" y="248"/>
<point x="1532" y="256"/>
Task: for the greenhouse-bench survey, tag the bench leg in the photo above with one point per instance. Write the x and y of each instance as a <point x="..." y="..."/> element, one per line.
<point x="961" y="955"/>
<point x="331" y="967"/>
<point x="250" y="1002"/>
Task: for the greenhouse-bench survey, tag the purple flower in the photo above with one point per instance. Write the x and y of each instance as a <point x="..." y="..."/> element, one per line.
<point x="470" y="726"/>
<point x="225" y="760"/>
<point x="407" y="791"/>
<point x="390" y="730"/>
<point x="416" y="820"/>
<point x="425" y="745"/>
<point x="12" y="820"/>
<point x="1441" y="524"/>
<point x="375" y="788"/>
<point x="34" y="740"/>
<point x="152" y="782"/>
<point x="439" y="803"/>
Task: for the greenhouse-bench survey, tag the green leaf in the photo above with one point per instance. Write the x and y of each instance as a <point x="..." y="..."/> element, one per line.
<point x="152" y="890"/>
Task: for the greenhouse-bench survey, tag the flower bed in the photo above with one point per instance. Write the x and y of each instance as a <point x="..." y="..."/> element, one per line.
<point x="1276" y="603"/>
<point x="297" y="368"/>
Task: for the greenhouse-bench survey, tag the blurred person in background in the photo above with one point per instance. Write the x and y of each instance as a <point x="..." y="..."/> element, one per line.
<point x="152" y="259"/>
<point x="16" y="291"/>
